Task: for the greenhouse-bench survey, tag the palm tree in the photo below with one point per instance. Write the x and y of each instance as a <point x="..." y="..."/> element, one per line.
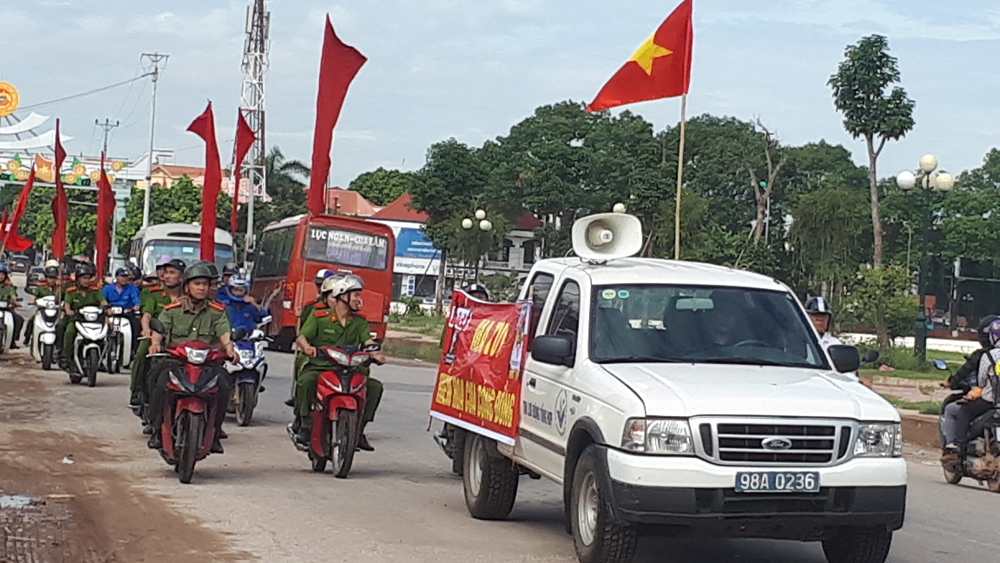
<point x="285" y="178"/>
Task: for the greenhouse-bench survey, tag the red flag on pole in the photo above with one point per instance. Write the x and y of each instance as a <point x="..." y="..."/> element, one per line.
<point x="3" y="226"/>
<point x="660" y="68"/>
<point x="105" y="215"/>
<point x="338" y="66"/>
<point x="60" y="204"/>
<point x="204" y="127"/>
<point x="13" y="241"/>
<point x="244" y="140"/>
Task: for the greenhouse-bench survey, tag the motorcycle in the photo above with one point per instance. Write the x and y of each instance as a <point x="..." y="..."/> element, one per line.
<point x="43" y="335"/>
<point x="979" y="452"/>
<point x="89" y="346"/>
<point x="119" y="349"/>
<point x="188" y="428"/>
<point x="248" y="375"/>
<point x="6" y="325"/>
<point x="340" y="400"/>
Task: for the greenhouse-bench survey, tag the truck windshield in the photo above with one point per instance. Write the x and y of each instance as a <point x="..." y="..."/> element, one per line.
<point x="670" y="323"/>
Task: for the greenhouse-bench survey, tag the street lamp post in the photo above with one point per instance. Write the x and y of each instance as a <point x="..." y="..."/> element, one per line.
<point x="485" y="226"/>
<point x="942" y="182"/>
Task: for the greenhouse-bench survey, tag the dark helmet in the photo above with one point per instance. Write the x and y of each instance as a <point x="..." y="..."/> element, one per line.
<point x="201" y="269"/>
<point x="983" y="331"/>
<point x="177" y="263"/>
<point x="135" y="272"/>
<point x="818" y="306"/>
<point x="52" y="272"/>
<point x="3" y="268"/>
<point x="477" y="288"/>
<point x="230" y="269"/>
<point x="86" y="269"/>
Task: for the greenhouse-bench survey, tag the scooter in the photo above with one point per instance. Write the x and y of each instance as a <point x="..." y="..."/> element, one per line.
<point x="248" y="375"/>
<point x="188" y="428"/>
<point x="340" y="399"/>
<point x="979" y="452"/>
<point x="119" y="350"/>
<point x="43" y="335"/>
<point x="89" y="346"/>
<point x="6" y="324"/>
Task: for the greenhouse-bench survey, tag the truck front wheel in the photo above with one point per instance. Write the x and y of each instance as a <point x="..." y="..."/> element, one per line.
<point x="490" y="481"/>
<point x="858" y="545"/>
<point x="597" y="538"/>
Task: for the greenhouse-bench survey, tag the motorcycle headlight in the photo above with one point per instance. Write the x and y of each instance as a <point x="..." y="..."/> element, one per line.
<point x="338" y="356"/>
<point x="117" y="311"/>
<point x="195" y="355"/>
<point x="359" y="359"/>
<point x="90" y="316"/>
<point x="879" y="440"/>
<point x="4" y="305"/>
<point x="662" y="436"/>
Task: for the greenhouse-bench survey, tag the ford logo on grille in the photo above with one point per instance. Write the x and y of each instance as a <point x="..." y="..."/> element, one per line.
<point x="779" y="444"/>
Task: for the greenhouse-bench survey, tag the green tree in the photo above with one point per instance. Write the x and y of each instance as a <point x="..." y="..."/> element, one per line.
<point x="888" y="288"/>
<point x="382" y="186"/>
<point x="286" y="184"/>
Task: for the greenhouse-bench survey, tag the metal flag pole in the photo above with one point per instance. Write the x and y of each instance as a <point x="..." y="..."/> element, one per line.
<point x="680" y="180"/>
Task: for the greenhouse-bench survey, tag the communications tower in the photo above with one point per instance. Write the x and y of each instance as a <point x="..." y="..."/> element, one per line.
<point x="255" y="61"/>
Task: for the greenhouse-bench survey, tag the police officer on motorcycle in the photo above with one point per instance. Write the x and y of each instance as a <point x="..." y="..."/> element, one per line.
<point x="821" y="315"/>
<point x="981" y="398"/>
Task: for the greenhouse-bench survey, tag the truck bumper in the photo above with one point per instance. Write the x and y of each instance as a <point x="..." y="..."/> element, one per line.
<point x="688" y="496"/>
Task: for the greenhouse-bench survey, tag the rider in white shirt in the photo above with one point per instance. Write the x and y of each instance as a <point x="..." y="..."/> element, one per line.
<point x="822" y="317"/>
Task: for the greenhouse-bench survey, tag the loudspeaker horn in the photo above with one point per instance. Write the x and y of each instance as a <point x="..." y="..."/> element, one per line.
<point x="607" y="236"/>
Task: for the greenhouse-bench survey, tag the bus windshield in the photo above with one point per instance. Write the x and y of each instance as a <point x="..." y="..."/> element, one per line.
<point x="347" y="248"/>
<point x="188" y="251"/>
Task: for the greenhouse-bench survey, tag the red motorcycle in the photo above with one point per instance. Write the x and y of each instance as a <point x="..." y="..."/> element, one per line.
<point x="339" y="402"/>
<point x="189" y="411"/>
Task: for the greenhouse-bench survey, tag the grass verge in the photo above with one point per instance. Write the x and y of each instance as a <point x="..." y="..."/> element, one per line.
<point x="412" y="350"/>
<point x="924" y="407"/>
<point x="429" y="325"/>
<point x="935" y="375"/>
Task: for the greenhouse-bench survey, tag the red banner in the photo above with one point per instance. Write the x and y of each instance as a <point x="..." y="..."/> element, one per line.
<point x="479" y="377"/>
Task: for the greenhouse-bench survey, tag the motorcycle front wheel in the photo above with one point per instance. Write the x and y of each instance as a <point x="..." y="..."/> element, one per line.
<point x="47" y="352"/>
<point x="90" y="364"/>
<point x="190" y="435"/>
<point x="343" y="442"/>
<point x="247" y="393"/>
<point x="951" y="474"/>
<point x="112" y="351"/>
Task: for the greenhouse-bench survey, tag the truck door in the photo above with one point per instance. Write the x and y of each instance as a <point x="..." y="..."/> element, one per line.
<point x="545" y="385"/>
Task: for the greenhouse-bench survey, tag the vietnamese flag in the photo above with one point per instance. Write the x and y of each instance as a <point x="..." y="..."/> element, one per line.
<point x="204" y="127"/>
<point x="60" y="204"/>
<point x="14" y="241"/>
<point x="660" y="68"/>
<point x="338" y="66"/>
<point x="105" y="216"/>
<point x="244" y="140"/>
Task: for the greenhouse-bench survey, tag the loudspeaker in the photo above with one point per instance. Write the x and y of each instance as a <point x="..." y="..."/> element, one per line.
<point x="607" y="236"/>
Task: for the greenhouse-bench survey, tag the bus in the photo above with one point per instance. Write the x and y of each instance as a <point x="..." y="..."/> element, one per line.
<point x="290" y="252"/>
<point x="177" y="240"/>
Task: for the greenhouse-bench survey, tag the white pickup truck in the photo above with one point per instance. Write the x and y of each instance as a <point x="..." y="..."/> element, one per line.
<point x="678" y="398"/>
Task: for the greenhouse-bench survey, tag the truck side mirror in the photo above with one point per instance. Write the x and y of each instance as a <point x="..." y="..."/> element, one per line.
<point x="846" y="359"/>
<point x="871" y="357"/>
<point x="552" y="349"/>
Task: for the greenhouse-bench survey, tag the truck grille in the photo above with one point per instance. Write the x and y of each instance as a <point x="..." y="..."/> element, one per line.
<point x="773" y="442"/>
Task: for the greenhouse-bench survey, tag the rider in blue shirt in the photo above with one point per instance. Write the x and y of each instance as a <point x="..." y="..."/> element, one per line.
<point x="243" y="310"/>
<point x="123" y="293"/>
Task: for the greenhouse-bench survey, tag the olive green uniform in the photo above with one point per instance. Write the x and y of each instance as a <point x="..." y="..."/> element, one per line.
<point x="46" y="291"/>
<point x="77" y="298"/>
<point x="9" y="293"/>
<point x="152" y="300"/>
<point x="323" y="329"/>
<point x="300" y="358"/>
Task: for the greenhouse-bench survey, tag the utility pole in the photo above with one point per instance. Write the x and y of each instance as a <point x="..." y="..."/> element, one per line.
<point x="154" y="59"/>
<point x="255" y="62"/>
<point x="108" y="126"/>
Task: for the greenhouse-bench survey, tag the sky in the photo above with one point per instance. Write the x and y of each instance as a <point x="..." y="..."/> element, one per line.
<point x="472" y="69"/>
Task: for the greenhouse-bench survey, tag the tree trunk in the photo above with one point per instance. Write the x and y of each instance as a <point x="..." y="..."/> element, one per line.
<point x="880" y="326"/>
<point x="442" y="280"/>
<point x="758" y="228"/>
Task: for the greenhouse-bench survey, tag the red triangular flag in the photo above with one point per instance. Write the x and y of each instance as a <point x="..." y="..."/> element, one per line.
<point x="244" y="140"/>
<point x="204" y="127"/>
<point x="60" y="204"/>
<point x="3" y="226"/>
<point x="660" y="68"/>
<point x="14" y="241"/>
<point x="338" y="66"/>
<point x="105" y="215"/>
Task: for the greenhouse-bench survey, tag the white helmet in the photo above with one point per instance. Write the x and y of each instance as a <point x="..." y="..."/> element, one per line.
<point x="341" y="285"/>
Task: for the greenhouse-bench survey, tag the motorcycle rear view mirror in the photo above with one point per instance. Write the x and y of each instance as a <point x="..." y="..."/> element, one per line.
<point x="375" y="347"/>
<point x="156" y="326"/>
<point x="265" y="320"/>
<point x="941" y="365"/>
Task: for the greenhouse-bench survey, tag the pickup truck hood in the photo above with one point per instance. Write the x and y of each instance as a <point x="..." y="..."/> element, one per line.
<point x="686" y="390"/>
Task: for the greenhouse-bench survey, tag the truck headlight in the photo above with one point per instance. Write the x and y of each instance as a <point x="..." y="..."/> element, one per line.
<point x="658" y="436"/>
<point x="879" y="440"/>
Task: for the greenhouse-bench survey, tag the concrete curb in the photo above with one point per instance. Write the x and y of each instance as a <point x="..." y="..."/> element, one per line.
<point x="920" y="429"/>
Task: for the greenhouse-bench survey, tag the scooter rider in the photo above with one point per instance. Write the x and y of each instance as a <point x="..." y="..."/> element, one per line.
<point x="195" y="317"/>
<point x="822" y="317"/>
<point x="124" y="294"/>
<point x="48" y="286"/>
<point x="222" y="294"/>
<point x="9" y="293"/>
<point x="307" y="311"/>
<point x="340" y="325"/>
<point x="242" y="309"/>
<point x="967" y="377"/>
<point x="152" y="303"/>
<point x="84" y="293"/>
<point x="960" y="414"/>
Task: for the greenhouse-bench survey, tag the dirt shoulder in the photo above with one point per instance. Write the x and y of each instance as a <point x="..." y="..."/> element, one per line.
<point x="85" y="508"/>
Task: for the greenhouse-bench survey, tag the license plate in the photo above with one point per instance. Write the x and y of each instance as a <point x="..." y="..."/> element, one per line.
<point x="777" y="482"/>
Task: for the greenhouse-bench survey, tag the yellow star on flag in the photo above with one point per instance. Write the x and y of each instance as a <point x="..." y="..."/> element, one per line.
<point x="649" y="51"/>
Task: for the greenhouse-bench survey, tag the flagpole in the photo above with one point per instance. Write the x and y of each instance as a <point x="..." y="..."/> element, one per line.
<point x="680" y="180"/>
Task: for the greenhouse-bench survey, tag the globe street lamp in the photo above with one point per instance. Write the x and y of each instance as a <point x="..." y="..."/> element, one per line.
<point x="485" y="226"/>
<point x="929" y="182"/>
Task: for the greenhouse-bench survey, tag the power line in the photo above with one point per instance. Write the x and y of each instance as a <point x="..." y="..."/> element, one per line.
<point x="88" y="93"/>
